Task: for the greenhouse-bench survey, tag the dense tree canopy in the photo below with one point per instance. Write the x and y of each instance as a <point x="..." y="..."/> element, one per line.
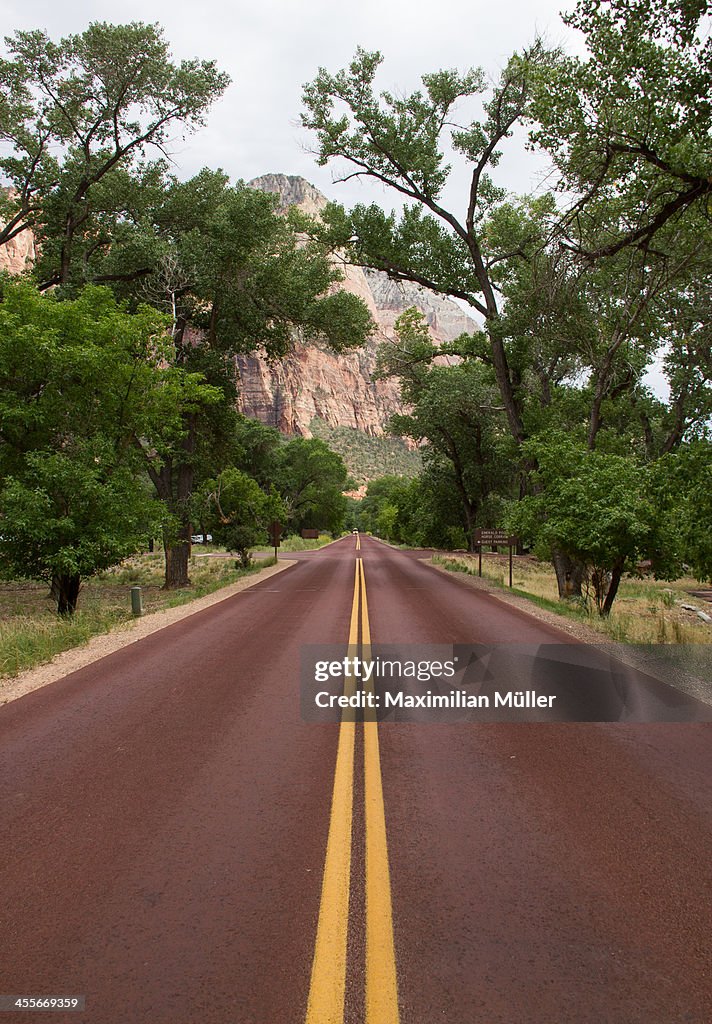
<point x="578" y="292"/>
<point x="83" y="384"/>
<point x="576" y="304"/>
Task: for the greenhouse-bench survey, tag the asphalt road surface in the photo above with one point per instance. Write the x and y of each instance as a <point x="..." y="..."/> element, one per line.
<point x="179" y="846"/>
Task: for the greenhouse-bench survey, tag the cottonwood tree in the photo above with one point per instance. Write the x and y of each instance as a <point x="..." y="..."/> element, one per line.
<point x="401" y="142"/>
<point x="630" y="122"/>
<point x="311" y="479"/>
<point x="81" y="383"/>
<point x="454" y="412"/>
<point x="234" y="276"/>
<point x="78" y="115"/>
<point x="628" y="516"/>
<point x="239" y="512"/>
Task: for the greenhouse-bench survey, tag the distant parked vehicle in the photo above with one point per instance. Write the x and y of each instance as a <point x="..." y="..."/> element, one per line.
<point x="201" y="538"/>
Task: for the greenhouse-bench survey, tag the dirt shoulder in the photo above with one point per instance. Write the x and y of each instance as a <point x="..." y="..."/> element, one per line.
<point x="127" y="633"/>
<point x="578" y="630"/>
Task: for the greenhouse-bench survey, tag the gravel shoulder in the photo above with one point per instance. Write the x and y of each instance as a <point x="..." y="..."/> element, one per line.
<point x="125" y="634"/>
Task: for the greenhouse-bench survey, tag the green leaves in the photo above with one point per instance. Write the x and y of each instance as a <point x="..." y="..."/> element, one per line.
<point x="83" y="384"/>
<point x="73" y="512"/>
<point x="631" y="122"/>
<point x="238" y="511"/>
<point x="74" y="111"/>
<point x="394" y="139"/>
<point x="603" y="510"/>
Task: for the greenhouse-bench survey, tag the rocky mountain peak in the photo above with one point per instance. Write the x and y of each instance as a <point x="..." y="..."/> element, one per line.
<point x="292" y="191"/>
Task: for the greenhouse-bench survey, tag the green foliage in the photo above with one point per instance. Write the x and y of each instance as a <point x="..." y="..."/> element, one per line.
<point x="686" y="479"/>
<point x="391" y="510"/>
<point x="72" y="513"/>
<point x="228" y="263"/>
<point x="368" y="456"/>
<point x="79" y="114"/>
<point x="629" y="124"/>
<point x="311" y="480"/>
<point x="81" y="382"/>
<point x="238" y="511"/>
<point x="599" y="509"/>
<point x="301" y="478"/>
<point x="233" y="276"/>
<point x="454" y="414"/>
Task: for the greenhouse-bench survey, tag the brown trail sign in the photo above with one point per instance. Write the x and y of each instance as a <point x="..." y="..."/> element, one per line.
<point x="495" y="538"/>
<point x="275" y="534"/>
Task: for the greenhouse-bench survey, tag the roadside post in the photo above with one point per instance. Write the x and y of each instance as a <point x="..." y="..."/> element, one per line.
<point x="495" y="538"/>
<point x="275" y="534"/>
<point x="136" y="601"/>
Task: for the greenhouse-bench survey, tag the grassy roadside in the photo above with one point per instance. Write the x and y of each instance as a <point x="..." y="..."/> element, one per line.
<point x="31" y="633"/>
<point x="300" y="544"/>
<point x="646" y="611"/>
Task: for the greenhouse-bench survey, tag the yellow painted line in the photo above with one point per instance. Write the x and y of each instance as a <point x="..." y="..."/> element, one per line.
<point x="381" y="984"/>
<point x="328" y="977"/>
<point x="353" y="625"/>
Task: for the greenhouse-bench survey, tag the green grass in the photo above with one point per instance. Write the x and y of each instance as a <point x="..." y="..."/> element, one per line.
<point x="645" y="611"/>
<point x="31" y="633"/>
<point x="29" y="640"/>
<point x="303" y="544"/>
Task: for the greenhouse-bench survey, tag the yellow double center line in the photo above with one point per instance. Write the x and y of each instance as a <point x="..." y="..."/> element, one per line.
<point x="328" y="978"/>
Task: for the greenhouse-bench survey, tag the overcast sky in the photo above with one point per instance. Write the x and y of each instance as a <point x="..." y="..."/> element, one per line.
<point x="271" y="48"/>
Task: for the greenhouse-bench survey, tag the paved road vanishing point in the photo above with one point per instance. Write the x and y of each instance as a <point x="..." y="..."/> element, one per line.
<point x="181" y="847"/>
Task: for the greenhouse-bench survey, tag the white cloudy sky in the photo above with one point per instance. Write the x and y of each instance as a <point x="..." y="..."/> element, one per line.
<point x="271" y="48"/>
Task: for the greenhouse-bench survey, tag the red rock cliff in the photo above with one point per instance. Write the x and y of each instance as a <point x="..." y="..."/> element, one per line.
<point x="339" y="389"/>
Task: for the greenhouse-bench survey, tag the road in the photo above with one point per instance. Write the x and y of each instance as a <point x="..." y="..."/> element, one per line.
<point x="180" y="846"/>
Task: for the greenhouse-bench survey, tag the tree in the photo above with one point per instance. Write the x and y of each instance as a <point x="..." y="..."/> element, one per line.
<point x="239" y="511"/>
<point x="311" y="479"/>
<point x="401" y="143"/>
<point x="79" y="115"/>
<point x="392" y="509"/>
<point x="455" y="411"/>
<point x="572" y="319"/>
<point x="69" y="515"/>
<point x="630" y="123"/>
<point x="234" y="276"/>
<point x="686" y="478"/>
<point x="81" y="383"/>
<point x="603" y="511"/>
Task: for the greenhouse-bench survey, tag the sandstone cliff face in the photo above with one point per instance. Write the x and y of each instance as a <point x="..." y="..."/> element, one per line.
<point x="18" y="254"/>
<point x="314" y="382"/>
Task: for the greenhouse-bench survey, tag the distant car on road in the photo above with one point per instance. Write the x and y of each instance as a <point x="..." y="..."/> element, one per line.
<point x="201" y="538"/>
<point x="354" y="531"/>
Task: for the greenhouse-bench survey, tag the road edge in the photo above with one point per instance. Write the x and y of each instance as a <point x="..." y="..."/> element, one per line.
<point x="126" y="633"/>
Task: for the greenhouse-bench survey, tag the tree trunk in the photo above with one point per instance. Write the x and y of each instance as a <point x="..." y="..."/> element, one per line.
<point x="66" y="590"/>
<point x="174" y="485"/>
<point x="569" y="575"/>
<point x="616" y="574"/>
<point x="177" y="551"/>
